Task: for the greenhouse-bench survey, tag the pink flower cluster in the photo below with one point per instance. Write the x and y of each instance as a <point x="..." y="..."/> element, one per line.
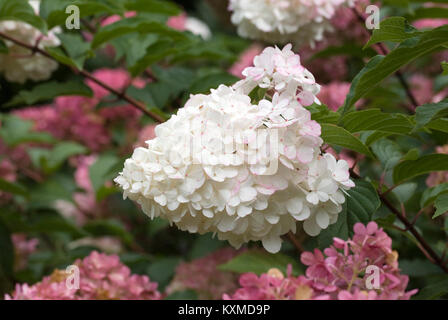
<point x="23" y="248"/>
<point x="332" y="68"/>
<point x="422" y="87"/>
<point x="333" y="94"/>
<point x="203" y="276"/>
<point x="347" y="29"/>
<point x="75" y="117"/>
<point x="148" y="132"/>
<point x="347" y="24"/>
<point x="101" y="277"/>
<point x="273" y="285"/>
<point x="12" y="160"/>
<point x="341" y="272"/>
<point x="438" y="177"/>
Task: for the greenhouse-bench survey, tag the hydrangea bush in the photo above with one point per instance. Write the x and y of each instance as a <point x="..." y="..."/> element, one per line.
<point x="241" y="149"/>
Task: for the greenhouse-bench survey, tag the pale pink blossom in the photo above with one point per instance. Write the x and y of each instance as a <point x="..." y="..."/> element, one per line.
<point x="23" y="248"/>
<point x="333" y="94"/>
<point x="338" y="273"/>
<point x="101" y="277"/>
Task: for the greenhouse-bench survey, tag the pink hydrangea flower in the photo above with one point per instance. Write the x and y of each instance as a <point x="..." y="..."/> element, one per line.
<point x="332" y="68"/>
<point x="147" y="133"/>
<point x="333" y="94"/>
<point x="273" y="285"/>
<point x="114" y="18"/>
<point x="203" y="276"/>
<point x="422" y="88"/>
<point x="23" y="248"/>
<point x="347" y="24"/>
<point x="429" y="23"/>
<point x="85" y="205"/>
<point x="75" y="117"/>
<point x="340" y="272"/>
<point x="177" y="22"/>
<point x="101" y="277"/>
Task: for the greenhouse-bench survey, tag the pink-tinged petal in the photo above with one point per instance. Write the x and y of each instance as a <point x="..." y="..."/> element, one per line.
<point x="372" y="227"/>
<point x="307" y="258"/>
<point x="359" y="229"/>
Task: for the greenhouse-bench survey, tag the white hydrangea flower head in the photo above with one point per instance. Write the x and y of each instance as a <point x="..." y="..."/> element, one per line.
<point x="19" y="64"/>
<point x="281" y="21"/>
<point x="244" y="170"/>
<point x="198" y="27"/>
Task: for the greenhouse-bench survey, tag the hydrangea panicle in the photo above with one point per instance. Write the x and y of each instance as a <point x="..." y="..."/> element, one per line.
<point x="101" y="277"/>
<point x="20" y="64"/>
<point x="281" y="21"/>
<point x="338" y="273"/>
<point x="244" y="170"/>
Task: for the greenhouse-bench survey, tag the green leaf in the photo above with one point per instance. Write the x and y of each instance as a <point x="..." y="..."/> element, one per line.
<point x="429" y="195"/>
<point x="133" y="46"/>
<point x="434" y="290"/>
<point x="412" y="154"/>
<point x="429" y="13"/>
<point x="203" y="245"/>
<point x="405" y="191"/>
<point x="51" y="160"/>
<point x="444" y="66"/>
<point x="419" y="268"/>
<point x="441" y="205"/>
<point x="158" y="51"/>
<point x="12" y="187"/>
<point x="3" y="47"/>
<point x="439" y="124"/>
<point x="204" y="84"/>
<point x="64" y="150"/>
<point x="21" y="10"/>
<point x="49" y="90"/>
<point x="183" y="295"/>
<point x="412" y="168"/>
<point x="260" y="262"/>
<point x="362" y="202"/>
<point x="104" y="168"/>
<point x="358" y="83"/>
<point x="77" y="48"/>
<point x="322" y="114"/>
<point x="15" y="131"/>
<point x="394" y="29"/>
<point x="110" y="227"/>
<point x="153" y="6"/>
<point x="54" y="11"/>
<point x="430" y="112"/>
<point x="162" y="270"/>
<point x="376" y="120"/>
<point x="57" y="187"/>
<point x="381" y="67"/>
<point x="131" y="25"/>
<point x="336" y="135"/>
<point x="388" y="152"/>
<point x="52" y="223"/>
